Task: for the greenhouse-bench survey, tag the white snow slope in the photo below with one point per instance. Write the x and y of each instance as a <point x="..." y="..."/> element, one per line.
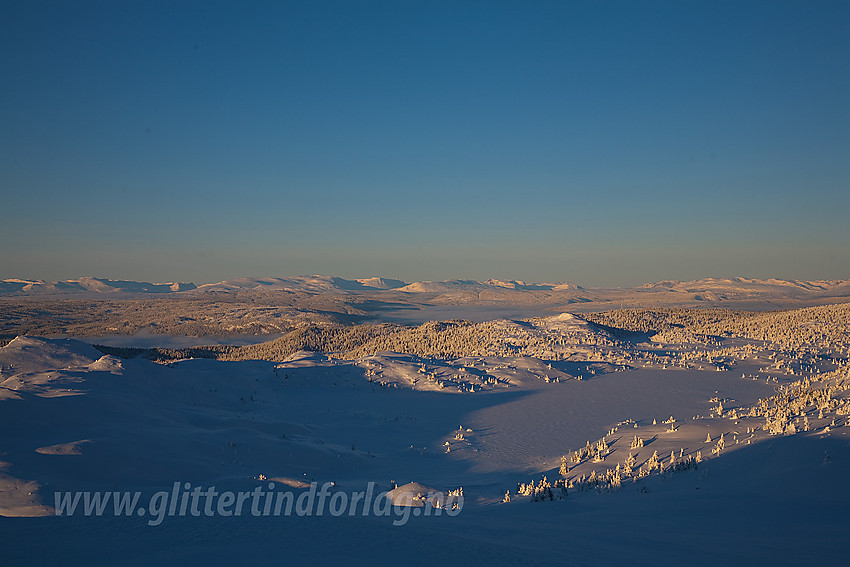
<point x="73" y="420"/>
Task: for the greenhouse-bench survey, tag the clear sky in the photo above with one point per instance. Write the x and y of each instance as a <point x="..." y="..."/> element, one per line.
<point x="606" y="143"/>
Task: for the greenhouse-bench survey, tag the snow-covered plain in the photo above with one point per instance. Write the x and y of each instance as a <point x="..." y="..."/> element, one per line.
<point x="595" y="450"/>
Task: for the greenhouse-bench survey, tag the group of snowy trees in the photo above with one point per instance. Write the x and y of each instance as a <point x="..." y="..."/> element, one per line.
<point x="541" y="490"/>
<point x="596" y="452"/>
<point x="608" y="480"/>
<point x="793" y="405"/>
<point x="823" y="327"/>
<point x="822" y="401"/>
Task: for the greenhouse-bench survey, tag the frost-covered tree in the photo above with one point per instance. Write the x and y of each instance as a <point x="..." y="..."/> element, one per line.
<point x="653" y="461"/>
<point x="629" y="464"/>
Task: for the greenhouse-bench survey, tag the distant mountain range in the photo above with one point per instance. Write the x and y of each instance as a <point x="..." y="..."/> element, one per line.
<point x="319" y="284"/>
<point x="87" y="285"/>
<point x="708" y="289"/>
<point x="718" y="289"/>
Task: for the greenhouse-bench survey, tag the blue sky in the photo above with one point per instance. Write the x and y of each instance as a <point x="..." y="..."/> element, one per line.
<point x="607" y="143"/>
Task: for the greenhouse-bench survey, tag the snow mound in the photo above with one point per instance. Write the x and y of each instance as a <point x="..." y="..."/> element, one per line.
<point x="70" y="448"/>
<point x="290" y="482"/>
<point x="32" y="354"/>
<point x="19" y="498"/>
<point x="107" y="363"/>
<point x="415" y="495"/>
<point x="567" y="322"/>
